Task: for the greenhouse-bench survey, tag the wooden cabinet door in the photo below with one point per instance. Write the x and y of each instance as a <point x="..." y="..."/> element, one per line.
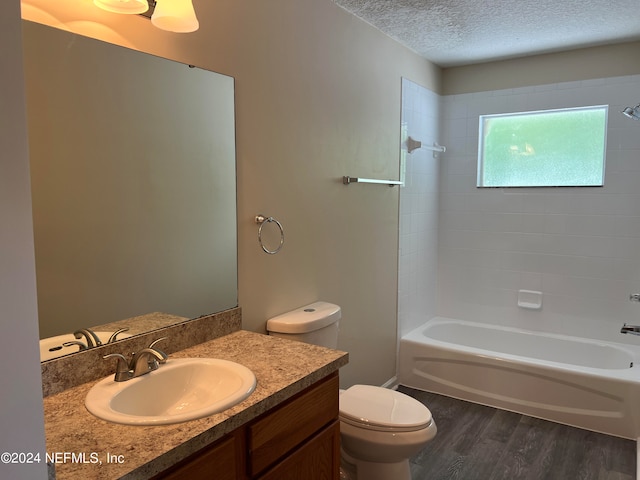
<point x="222" y="461"/>
<point x="271" y="438"/>
<point x="317" y="459"/>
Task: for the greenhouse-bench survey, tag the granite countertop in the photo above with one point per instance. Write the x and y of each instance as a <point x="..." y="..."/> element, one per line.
<point x="83" y="446"/>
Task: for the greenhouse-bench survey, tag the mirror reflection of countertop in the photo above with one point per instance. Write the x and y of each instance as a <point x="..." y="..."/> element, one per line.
<point x="144" y="323"/>
<point x="106" y="450"/>
<point x="53" y="347"/>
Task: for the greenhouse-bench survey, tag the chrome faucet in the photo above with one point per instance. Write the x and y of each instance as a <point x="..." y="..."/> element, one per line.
<point x="91" y="338"/>
<point x="123" y="372"/>
<point x="632" y="329"/>
<point x="142" y="362"/>
<point x="145" y="361"/>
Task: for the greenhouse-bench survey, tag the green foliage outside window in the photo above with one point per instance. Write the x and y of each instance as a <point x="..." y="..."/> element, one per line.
<point x="543" y="149"/>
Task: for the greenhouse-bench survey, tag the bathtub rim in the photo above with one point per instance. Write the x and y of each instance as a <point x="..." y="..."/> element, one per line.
<point x="417" y="335"/>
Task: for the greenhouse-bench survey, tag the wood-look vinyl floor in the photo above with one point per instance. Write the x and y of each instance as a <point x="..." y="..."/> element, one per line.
<point x="475" y="442"/>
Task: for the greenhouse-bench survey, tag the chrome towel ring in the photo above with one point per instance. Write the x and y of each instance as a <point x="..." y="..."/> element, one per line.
<point x="262" y="220"/>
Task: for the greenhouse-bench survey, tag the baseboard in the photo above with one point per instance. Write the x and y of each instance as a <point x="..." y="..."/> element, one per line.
<point x="392" y="383"/>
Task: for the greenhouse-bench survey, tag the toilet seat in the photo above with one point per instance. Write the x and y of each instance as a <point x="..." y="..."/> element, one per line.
<point x="381" y="409"/>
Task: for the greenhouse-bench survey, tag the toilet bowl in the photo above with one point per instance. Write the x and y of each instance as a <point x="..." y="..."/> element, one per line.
<point x="380" y="429"/>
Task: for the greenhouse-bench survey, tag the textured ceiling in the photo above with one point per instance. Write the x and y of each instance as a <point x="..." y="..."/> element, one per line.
<point x="460" y="32"/>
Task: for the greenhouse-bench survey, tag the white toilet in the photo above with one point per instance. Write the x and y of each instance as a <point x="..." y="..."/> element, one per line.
<point x="380" y="428"/>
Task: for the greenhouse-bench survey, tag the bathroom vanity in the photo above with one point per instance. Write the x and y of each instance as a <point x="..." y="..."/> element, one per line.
<point x="298" y="439"/>
<point x="287" y="428"/>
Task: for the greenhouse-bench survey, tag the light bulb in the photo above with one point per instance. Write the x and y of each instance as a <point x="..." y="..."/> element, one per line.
<point x="123" y="6"/>
<point x="175" y="16"/>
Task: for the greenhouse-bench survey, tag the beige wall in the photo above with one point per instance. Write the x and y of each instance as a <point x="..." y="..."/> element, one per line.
<point x="317" y="97"/>
<point x="574" y="65"/>
<point x="21" y="415"/>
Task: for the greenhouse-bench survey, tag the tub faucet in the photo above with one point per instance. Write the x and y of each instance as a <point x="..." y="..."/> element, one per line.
<point x="632" y="329"/>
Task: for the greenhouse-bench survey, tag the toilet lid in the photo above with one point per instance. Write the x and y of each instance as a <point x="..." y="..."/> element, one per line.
<point x="379" y="408"/>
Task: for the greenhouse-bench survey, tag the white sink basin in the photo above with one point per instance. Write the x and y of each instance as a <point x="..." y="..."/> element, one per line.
<point x="52" y="347"/>
<point x="181" y="389"/>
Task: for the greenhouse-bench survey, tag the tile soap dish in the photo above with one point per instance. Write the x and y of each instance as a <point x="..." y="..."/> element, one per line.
<point x="530" y="299"/>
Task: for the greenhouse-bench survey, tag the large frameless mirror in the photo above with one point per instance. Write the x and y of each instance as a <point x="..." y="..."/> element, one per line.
<point x="133" y="183"/>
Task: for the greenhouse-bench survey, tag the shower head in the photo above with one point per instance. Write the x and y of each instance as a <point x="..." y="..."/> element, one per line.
<point x="632" y="112"/>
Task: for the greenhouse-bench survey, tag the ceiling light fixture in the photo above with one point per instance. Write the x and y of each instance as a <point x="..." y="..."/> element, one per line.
<point x="171" y="15"/>
<point x="632" y="112"/>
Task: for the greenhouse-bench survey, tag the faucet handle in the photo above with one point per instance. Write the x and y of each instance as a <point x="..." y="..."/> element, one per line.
<point x="123" y="372"/>
<point x="634" y="297"/>
<point x="162" y="354"/>
<point x="145" y="361"/>
<point x="153" y="344"/>
<point x="113" y="336"/>
<point x="83" y="346"/>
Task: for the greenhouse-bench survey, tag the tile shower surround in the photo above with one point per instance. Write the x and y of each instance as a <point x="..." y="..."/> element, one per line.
<point x="580" y="246"/>
<point x="418" y="210"/>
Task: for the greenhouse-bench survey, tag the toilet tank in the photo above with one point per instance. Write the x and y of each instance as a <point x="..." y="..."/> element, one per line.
<point x="316" y="323"/>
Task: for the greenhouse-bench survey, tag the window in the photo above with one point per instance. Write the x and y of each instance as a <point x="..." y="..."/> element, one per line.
<point x="549" y="148"/>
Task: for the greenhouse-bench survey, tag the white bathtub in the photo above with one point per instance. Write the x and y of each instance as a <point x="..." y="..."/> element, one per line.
<point x="585" y="383"/>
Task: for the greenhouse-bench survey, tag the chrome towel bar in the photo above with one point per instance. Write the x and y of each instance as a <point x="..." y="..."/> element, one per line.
<point x="392" y="183"/>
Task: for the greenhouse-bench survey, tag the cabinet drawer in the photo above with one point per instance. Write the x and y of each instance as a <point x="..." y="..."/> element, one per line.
<point x="318" y="459"/>
<point x="279" y="432"/>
